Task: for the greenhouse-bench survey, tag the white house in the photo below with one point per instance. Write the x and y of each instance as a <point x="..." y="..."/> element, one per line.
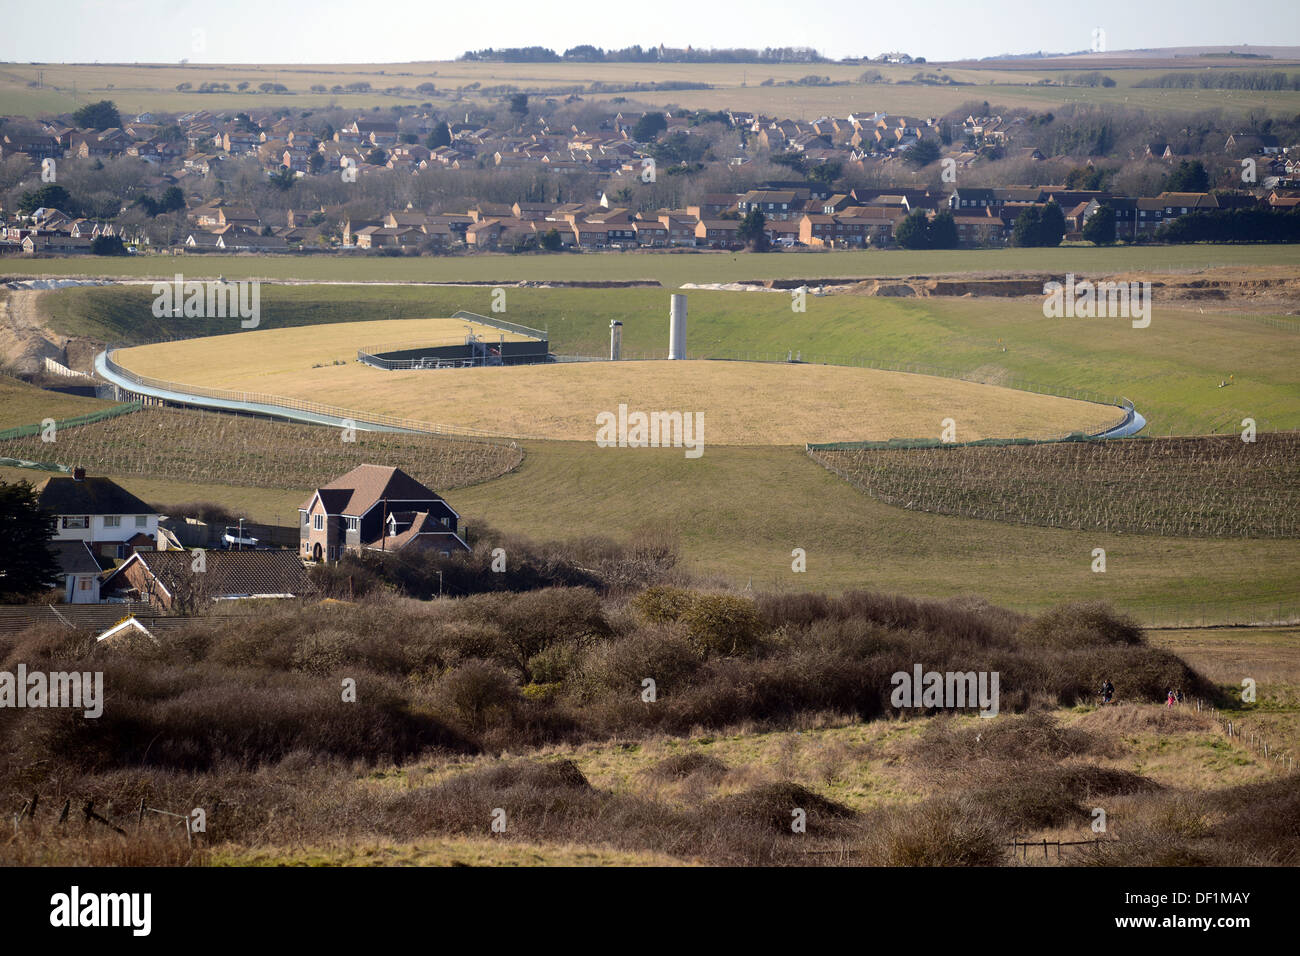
<point x="109" y="520"/>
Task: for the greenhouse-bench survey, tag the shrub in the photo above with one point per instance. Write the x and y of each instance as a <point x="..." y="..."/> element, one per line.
<point x="938" y="832"/>
<point x="663" y="604"/>
<point x="723" y="625"/>
<point x="1082" y="624"/>
<point x="692" y="763"/>
<point x="477" y="693"/>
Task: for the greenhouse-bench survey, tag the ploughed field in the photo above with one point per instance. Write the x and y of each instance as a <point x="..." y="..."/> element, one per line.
<point x="742" y="403"/>
<point x="1211" y="486"/>
<point x="196" y="446"/>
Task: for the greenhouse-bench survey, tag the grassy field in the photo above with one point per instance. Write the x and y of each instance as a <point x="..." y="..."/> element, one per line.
<point x="24" y="404"/>
<point x="741" y="402"/>
<point x="667" y="268"/>
<point x="138" y="87"/>
<point x="1171" y="370"/>
<point x="741" y="511"/>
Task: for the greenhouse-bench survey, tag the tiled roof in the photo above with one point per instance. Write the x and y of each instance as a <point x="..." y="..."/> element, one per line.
<point x="230" y="573"/>
<point x="65" y="495"/>
<point x="367" y="484"/>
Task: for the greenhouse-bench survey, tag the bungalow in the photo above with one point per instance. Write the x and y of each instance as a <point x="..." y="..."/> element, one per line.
<point x="169" y="580"/>
<point x="55" y="243"/>
<point x="376" y="508"/>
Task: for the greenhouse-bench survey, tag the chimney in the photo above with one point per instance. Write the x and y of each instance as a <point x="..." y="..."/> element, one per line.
<point x="78" y="474"/>
<point x="677" y="328"/>
<point x="615" y="340"/>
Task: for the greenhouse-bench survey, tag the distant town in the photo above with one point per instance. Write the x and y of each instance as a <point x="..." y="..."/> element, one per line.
<point x="550" y="174"/>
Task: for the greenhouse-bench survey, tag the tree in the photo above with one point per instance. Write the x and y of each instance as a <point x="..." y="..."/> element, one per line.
<point x="752" y="230"/>
<point x="943" y="231"/>
<point x="1100" y="227"/>
<point x="1085" y="177"/>
<point x="49" y="196"/>
<point x="376" y="157"/>
<point x="913" y="232"/>
<point x="98" y="116"/>
<point x="1028" y="227"/>
<point x="551" y="240"/>
<point x="826" y="173"/>
<point x="1188" y="178"/>
<point x="440" y="136"/>
<point x="1052" y="227"/>
<point x="1039" y="226"/>
<point x="173" y="200"/>
<point x="648" y="127"/>
<point x="922" y="154"/>
<point x="27" y="565"/>
<point x="519" y="106"/>
<point x="107" y="246"/>
<point x="282" y="180"/>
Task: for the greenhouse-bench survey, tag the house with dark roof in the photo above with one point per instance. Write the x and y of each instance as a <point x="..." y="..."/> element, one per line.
<point x="179" y="582"/>
<point x="78" y="570"/>
<point x="376" y="508"/>
<point x="100" y="514"/>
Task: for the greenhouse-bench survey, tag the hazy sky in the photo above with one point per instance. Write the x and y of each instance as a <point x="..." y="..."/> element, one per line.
<point x="342" y="31"/>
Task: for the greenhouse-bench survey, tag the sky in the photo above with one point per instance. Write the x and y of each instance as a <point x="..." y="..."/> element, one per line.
<point x="391" y="31"/>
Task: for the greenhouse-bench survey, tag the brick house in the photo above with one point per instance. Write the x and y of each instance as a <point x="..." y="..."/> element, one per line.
<point x="379" y="509"/>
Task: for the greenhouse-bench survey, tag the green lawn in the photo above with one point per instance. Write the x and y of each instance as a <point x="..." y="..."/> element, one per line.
<point x="670" y="269"/>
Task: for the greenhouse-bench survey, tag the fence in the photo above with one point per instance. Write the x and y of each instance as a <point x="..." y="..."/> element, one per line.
<point x="279" y="403"/>
<point x="504" y="326"/>
<point x="24" y="431"/>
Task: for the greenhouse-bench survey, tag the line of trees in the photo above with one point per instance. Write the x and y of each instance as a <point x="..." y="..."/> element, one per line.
<point x="1262" y="80"/>
<point x="918" y="231"/>
<point x="1232" y="225"/>
<point x="586" y="53"/>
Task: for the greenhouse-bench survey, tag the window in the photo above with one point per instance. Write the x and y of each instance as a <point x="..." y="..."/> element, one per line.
<point x="318" y="522"/>
<point x="306" y="518"/>
<point x="76" y="521"/>
<point x="354" y="524"/>
<point x="446" y="522"/>
<point x="141" y="521"/>
<point x="83" y="584"/>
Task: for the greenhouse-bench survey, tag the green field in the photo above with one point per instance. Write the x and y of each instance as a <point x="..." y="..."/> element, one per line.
<point x="1170" y="370"/>
<point x="669" y="269"/>
<point x="739" y="511"/>
<point x="138" y="87"/>
<point x="24" y="404"/>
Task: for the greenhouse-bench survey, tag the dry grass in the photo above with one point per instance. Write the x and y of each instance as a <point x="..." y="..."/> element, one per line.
<point x="742" y="403"/>
<point x="251" y="358"/>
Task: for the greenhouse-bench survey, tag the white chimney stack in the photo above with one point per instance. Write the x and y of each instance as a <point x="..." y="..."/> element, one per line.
<point x="615" y="340"/>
